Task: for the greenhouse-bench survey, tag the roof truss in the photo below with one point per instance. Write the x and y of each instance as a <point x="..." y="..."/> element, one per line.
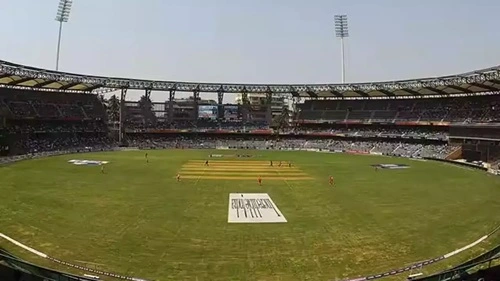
<point x="20" y="81"/>
<point x="479" y="81"/>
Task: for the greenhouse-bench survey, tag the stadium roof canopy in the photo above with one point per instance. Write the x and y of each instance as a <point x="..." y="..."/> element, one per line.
<point x="480" y="81"/>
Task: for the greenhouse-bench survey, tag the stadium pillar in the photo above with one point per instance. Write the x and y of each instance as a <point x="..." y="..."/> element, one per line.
<point x="245" y="107"/>
<point x="244" y="97"/>
<point x="121" y="135"/>
<point x="269" y="112"/>
<point x="295" y="110"/>
<point x="171" y="97"/>
<point x="196" y="99"/>
<point x="220" y="101"/>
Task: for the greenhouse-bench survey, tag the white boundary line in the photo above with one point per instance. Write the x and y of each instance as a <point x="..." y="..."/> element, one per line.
<point x="466" y="247"/>
<point x="40" y="254"/>
<point x="425" y="263"/>
<point x="19" y="244"/>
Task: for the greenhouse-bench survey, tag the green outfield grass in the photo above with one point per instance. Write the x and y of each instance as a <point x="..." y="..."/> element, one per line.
<point x="137" y="220"/>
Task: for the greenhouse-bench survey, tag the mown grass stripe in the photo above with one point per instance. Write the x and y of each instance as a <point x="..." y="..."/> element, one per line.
<point x="239" y="172"/>
<point x="239" y="169"/>
<point x="264" y="178"/>
<point x="234" y="173"/>
<point x="226" y="161"/>
<point x="228" y="165"/>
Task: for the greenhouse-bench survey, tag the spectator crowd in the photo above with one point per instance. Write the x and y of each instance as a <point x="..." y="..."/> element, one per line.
<point x="454" y="110"/>
<point x="402" y="149"/>
<point x="38" y="122"/>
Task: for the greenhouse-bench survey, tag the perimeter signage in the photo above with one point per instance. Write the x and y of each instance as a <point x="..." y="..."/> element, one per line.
<point x="87" y="162"/>
<point x="392" y="166"/>
<point x="253" y="208"/>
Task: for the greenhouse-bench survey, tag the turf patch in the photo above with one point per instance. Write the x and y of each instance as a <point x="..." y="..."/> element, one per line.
<point x="253" y="208"/>
<point x="222" y="177"/>
<point x="240" y="170"/>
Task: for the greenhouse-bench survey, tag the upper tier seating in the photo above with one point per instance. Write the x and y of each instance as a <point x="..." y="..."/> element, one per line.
<point x="21" y="104"/>
<point x="456" y="109"/>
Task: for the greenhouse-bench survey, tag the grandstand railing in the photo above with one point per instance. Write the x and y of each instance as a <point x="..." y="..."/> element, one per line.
<point x="22" y="270"/>
<point x="11" y="159"/>
<point x="483" y="261"/>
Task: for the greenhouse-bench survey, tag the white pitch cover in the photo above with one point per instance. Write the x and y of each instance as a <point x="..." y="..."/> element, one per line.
<point x="253" y="208"/>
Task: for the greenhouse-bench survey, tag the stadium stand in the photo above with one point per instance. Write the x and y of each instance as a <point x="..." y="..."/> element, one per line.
<point x="36" y="121"/>
<point x="462" y="110"/>
<point x="409" y="121"/>
<point x="266" y="143"/>
<point x="22" y="104"/>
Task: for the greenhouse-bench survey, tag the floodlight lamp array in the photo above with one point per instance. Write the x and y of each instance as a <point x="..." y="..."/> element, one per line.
<point x="341" y="26"/>
<point x="63" y="10"/>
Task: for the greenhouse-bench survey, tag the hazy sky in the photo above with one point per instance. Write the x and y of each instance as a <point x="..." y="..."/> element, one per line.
<point x="255" y="41"/>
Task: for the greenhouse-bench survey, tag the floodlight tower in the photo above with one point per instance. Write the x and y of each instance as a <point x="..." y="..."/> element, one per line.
<point x="62" y="16"/>
<point x="341" y="31"/>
